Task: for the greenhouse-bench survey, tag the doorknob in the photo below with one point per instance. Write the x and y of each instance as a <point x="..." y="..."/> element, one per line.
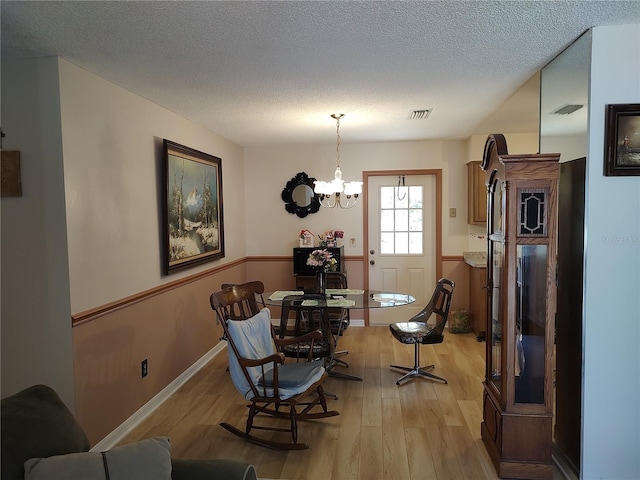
<point x="372" y="252"/>
<point x="372" y="262"/>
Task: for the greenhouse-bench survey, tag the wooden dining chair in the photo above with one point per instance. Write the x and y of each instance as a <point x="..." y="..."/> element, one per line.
<point x="309" y="313"/>
<point x="418" y="330"/>
<point x="250" y="306"/>
<point x="274" y="388"/>
<point x="338" y="317"/>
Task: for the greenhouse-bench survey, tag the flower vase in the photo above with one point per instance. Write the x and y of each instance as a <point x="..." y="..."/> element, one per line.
<point x="320" y="284"/>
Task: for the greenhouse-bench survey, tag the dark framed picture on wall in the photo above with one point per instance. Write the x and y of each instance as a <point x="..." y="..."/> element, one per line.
<point x="622" y="140"/>
<point x="193" y="227"/>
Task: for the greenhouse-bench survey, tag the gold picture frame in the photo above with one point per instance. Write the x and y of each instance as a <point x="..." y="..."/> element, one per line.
<point x="193" y="227"/>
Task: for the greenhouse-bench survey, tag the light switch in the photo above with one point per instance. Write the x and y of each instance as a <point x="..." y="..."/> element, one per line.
<point x="452" y="212"/>
<point x="352" y="242"/>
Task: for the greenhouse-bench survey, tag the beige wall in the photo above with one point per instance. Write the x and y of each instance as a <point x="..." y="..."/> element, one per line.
<point x="112" y="167"/>
<point x="516" y="143"/>
<point x="611" y="272"/>
<point x="36" y="327"/>
<point x="172" y="329"/>
<point x="455" y="269"/>
<point x="268" y="169"/>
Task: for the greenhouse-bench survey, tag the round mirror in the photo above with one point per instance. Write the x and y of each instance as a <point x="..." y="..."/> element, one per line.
<point x="302" y="195"/>
<point x="298" y="196"/>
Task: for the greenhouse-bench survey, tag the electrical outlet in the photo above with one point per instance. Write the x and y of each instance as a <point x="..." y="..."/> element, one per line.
<point x="145" y="368"/>
<point x="452" y="213"/>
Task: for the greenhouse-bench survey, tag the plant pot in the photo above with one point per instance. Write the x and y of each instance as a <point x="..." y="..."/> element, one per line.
<point x="460" y="321"/>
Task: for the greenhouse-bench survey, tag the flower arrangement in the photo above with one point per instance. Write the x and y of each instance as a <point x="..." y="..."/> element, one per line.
<point x="322" y="259"/>
<point x="330" y="238"/>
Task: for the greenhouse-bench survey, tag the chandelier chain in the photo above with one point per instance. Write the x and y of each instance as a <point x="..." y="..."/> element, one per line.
<point x="337" y="116"/>
<point x="338" y="142"/>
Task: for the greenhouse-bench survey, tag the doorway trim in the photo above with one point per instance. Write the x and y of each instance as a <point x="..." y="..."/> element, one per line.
<point x="437" y="173"/>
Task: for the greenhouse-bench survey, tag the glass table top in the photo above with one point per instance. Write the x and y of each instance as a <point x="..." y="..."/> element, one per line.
<point x="345" y="298"/>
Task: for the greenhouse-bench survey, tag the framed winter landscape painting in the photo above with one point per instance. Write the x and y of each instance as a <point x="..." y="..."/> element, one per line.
<point x="193" y="229"/>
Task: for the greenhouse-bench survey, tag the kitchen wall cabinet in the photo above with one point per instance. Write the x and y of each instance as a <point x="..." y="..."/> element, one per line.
<point x="476" y="195"/>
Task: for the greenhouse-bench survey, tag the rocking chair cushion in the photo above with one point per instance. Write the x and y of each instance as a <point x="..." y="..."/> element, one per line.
<point x="291" y="375"/>
<point x="253" y="340"/>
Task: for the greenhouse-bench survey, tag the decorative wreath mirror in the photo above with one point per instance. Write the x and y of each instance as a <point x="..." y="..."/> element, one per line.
<point x="298" y="196"/>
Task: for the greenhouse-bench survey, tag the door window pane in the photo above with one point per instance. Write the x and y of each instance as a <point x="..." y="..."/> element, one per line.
<point x="386" y="221"/>
<point x="415" y="243"/>
<point x="415" y="220"/>
<point x="415" y="197"/>
<point x="387" y="197"/>
<point x="401" y="197"/>
<point x="402" y="242"/>
<point x="401" y="220"/>
<point x="386" y="243"/>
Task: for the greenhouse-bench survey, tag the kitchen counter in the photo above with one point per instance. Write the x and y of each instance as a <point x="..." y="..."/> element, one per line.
<point x="475" y="259"/>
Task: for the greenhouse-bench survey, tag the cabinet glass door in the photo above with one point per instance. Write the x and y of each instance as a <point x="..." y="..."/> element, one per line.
<point x="495" y="275"/>
<point x="497" y="261"/>
<point x="530" y="328"/>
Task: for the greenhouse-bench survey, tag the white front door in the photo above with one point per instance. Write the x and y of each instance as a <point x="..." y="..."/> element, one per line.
<point x="401" y="241"/>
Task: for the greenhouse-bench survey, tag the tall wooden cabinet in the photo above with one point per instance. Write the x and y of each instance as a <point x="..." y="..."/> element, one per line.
<point x="521" y="276"/>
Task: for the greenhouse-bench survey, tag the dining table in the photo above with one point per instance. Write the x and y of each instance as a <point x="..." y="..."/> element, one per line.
<point x="347" y="298"/>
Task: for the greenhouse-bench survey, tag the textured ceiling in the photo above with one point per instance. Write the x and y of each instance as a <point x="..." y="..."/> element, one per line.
<point x="263" y="72"/>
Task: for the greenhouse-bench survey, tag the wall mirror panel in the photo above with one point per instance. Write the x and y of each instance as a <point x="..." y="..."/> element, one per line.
<point x="298" y="196"/>
<point x="564" y="101"/>
<point x="565" y="82"/>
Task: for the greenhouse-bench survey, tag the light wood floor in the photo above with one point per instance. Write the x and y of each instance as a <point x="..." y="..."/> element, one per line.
<point x="421" y="430"/>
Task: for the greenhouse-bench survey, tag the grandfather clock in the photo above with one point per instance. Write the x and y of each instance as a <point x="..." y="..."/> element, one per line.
<point x="521" y="304"/>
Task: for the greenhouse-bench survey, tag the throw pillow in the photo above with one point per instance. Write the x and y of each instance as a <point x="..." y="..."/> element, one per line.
<point x="252" y="338"/>
<point x="145" y="460"/>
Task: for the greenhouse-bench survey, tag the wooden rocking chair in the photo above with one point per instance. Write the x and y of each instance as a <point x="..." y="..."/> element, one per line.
<point x="259" y="372"/>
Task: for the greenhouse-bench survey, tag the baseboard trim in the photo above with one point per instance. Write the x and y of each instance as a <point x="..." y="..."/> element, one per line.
<point x="143" y="412"/>
<point x="116" y="436"/>
<point x="562" y="464"/>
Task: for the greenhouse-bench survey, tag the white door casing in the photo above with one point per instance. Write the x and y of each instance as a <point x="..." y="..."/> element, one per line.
<point x="403" y="249"/>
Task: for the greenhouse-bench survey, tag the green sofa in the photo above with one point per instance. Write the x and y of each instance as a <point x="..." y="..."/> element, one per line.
<point x="37" y="424"/>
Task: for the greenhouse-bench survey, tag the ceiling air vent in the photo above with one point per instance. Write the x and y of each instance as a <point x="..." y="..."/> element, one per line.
<point x="567" y="109"/>
<point x="419" y="114"/>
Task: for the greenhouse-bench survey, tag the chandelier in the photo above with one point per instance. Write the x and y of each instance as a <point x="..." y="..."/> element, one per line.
<point x="331" y="193"/>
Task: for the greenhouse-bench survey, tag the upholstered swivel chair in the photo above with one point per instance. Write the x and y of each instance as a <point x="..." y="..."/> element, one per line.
<point x="419" y="331"/>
